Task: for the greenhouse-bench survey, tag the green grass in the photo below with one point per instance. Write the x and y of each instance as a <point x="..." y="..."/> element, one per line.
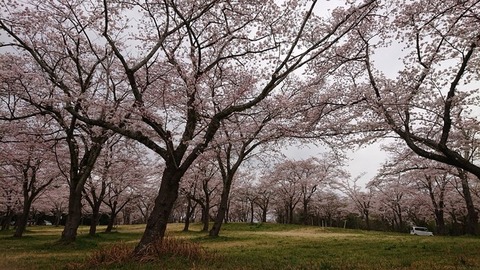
<point x="245" y="246"/>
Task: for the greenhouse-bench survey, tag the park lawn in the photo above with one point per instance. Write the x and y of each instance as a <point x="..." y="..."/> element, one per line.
<point x="245" y="246"/>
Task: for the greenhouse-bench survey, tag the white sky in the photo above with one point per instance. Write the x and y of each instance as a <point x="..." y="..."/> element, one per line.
<point x="367" y="159"/>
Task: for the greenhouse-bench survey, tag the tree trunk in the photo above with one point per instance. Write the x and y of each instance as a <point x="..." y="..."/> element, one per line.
<point x="367" y="218"/>
<point x="7" y="219"/>
<point x="472" y="215"/>
<point x="290" y="213"/>
<point x="58" y="217"/>
<point x="188" y="214"/>
<point x="305" y="212"/>
<point x="94" y="221"/>
<point x="206" y="214"/>
<point x="74" y="217"/>
<point x="23" y="219"/>
<point x="127" y="212"/>
<point x="264" y="214"/>
<point x="164" y="202"/>
<point x="111" y="222"/>
<point x="222" y="209"/>
<point x="251" y="211"/>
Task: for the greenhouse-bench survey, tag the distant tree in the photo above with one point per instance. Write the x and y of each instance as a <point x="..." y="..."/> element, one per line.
<point x="362" y="199"/>
<point x="296" y="181"/>
<point x="264" y="196"/>
<point x="435" y="178"/>
<point x="26" y="94"/>
<point x="201" y="184"/>
<point x="127" y="176"/>
<point x="28" y="165"/>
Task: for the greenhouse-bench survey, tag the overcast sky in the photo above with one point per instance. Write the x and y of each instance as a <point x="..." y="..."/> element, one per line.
<point x="367" y="159"/>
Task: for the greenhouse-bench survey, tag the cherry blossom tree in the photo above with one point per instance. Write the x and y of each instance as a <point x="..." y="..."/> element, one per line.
<point x="362" y="199"/>
<point x="168" y="78"/>
<point x="28" y="164"/>
<point x="26" y="93"/>
<point x="435" y="178"/>
<point x="56" y="200"/>
<point x="128" y="173"/>
<point x="238" y="139"/>
<point x="264" y="196"/>
<point x="296" y="181"/>
<point x="432" y="103"/>
<point x="201" y="185"/>
<point x="329" y="209"/>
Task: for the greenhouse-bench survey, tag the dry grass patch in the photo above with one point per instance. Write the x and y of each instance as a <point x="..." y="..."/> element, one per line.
<point x="169" y="247"/>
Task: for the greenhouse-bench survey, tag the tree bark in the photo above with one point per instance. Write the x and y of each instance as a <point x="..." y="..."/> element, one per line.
<point x="366" y="214"/>
<point x="222" y="209"/>
<point x="188" y="214"/>
<point x="74" y="216"/>
<point x="438" y="208"/>
<point x="158" y="219"/>
<point x="472" y="215"/>
<point x="94" y="222"/>
<point x="7" y="219"/>
<point x="251" y="211"/>
<point x="305" y="212"/>
<point x="111" y="222"/>
<point x="23" y="219"/>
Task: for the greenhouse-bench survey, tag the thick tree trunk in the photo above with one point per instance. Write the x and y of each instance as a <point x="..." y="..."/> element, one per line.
<point x="440" y="222"/>
<point x="471" y="222"/>
<point x="23" y="219"/>
<point x="264" y="214"/>
<point x="188" y="215"/>
<point x="222" y="209"/>
<point x="7" y="219"/>
<point x="164" y="202"/>
<point x="305" y="213"/>
<point x="74" y="216"/>
<point x="290" y="213"/>
<point x="366" y="213"/>
<point x="94" y="221"/>
<point x="205" y="218"/>
<point x="111" y="222"/>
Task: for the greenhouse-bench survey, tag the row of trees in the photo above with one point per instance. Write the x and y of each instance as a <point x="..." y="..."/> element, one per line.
<point x="187" y="78"/>
<point x="314" y="191"/>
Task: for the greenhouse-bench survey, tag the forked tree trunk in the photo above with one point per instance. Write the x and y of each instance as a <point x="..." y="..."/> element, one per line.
<point x="438" y="211"/>
<point x="79" y="172"/>
<point x="264" y="214"/>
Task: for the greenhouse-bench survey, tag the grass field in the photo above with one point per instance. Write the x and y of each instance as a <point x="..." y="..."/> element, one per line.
<point x="245" y="246"/>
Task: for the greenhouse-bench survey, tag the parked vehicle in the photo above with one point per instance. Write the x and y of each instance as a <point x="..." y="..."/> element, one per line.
<point x="420" y="231"/>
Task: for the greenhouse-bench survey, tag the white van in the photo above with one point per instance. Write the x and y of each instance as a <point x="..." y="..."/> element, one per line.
<point x="420" y="231"/>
